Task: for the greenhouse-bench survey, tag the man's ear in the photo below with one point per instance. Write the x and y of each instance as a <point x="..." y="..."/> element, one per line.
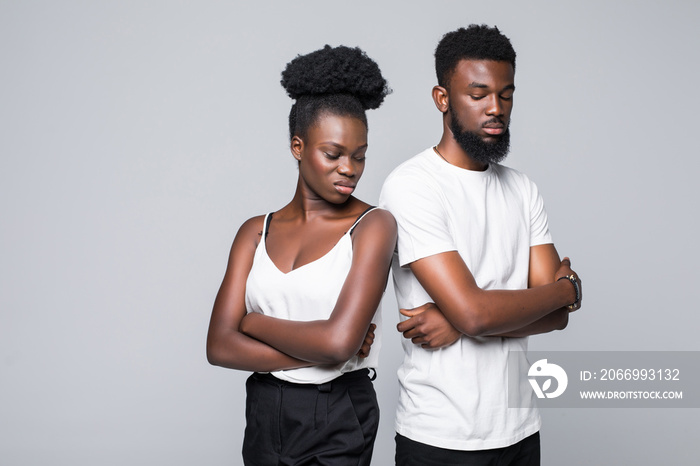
<point x="296" y="146"/>
<point x="441" y="99"/>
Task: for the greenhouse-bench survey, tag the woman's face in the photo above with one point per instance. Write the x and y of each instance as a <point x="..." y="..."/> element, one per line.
<point x="332" y="156"/>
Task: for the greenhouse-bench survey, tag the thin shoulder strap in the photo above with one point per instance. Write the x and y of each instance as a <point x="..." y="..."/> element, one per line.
<point x="368" y="210"/>
<point x="268" y="217"/>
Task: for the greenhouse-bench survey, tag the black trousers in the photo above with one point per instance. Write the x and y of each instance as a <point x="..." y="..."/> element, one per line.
<point x="524" y="453"/>
<point x="304" y="424"/>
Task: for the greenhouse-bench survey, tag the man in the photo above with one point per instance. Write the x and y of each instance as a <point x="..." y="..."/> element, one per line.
<point x="473" y="240"/>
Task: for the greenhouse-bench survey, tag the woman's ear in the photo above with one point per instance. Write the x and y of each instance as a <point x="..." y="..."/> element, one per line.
<point x="441" y="99"/>
<point x="296" y="146"/>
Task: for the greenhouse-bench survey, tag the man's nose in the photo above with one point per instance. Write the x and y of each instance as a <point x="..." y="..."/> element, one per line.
<point x="494" y="106"/>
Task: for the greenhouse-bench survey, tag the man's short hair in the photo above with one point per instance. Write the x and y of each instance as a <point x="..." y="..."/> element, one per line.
<point x="473" y="43"/>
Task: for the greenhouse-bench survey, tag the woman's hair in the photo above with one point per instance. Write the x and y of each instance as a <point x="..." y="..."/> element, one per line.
<point x="340" y="80"/>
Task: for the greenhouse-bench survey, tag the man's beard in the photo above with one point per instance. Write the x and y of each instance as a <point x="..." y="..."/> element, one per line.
<point x="475" y="147"/>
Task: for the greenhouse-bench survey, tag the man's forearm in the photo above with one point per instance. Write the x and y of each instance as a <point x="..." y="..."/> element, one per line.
<point x="557" y="320"/>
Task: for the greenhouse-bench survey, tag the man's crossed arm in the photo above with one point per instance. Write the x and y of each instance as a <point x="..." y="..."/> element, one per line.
<point x="462" y="308"/>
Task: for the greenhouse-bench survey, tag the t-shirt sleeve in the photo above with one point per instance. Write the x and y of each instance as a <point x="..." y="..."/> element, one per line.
<point x="539" y="225"/>
<point x="423" y="228"/>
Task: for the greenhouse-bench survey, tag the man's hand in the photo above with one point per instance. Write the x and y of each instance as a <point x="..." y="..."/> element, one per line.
<point x="427" y="327"/>
<point x="564" y="271"/>
<point x="367" y="343"/>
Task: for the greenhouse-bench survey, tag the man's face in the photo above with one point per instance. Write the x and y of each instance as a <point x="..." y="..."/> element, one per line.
<point x="479" y="106"/>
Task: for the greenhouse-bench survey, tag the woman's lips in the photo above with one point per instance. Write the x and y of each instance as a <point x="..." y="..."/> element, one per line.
<point x="344" y="188"/>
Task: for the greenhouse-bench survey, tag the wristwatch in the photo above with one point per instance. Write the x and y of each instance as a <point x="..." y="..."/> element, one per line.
<point x="574" y="281"/>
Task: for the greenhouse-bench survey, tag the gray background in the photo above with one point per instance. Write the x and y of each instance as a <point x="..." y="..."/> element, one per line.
<point x="135" y="137"/>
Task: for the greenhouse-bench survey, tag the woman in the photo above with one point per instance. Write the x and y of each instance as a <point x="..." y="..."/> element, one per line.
<point x="303" y="284"/>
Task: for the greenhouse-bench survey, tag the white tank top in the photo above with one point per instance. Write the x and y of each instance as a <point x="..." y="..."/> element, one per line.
<point x="309" y="292"/>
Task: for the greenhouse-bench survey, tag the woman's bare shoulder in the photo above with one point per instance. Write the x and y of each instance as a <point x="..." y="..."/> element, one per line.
<point x="251" y="230"/>
<point x="378" y="220"/>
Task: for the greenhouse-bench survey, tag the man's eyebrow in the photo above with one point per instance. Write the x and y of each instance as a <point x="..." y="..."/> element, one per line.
<point x="484" y="86"/>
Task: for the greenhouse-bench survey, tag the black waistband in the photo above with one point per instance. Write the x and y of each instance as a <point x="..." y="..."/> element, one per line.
<point x="345" y="379"/>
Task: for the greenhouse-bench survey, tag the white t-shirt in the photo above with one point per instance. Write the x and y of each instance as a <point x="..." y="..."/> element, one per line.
<point x="457" y="397"/>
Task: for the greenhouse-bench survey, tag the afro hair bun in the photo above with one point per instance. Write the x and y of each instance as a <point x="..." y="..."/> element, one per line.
<point x="336" y="70"/>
